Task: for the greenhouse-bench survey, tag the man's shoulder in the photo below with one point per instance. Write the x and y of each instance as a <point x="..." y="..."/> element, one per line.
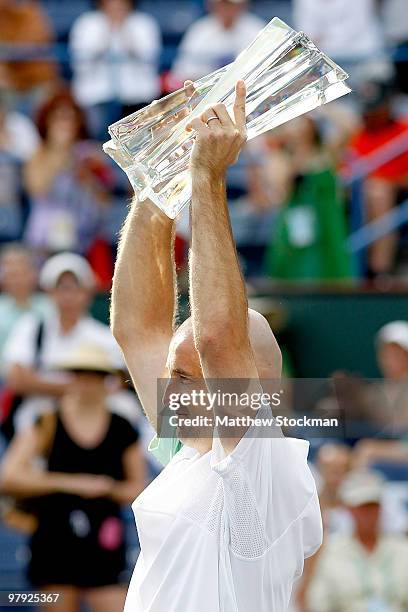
<point x="295" y="447"/>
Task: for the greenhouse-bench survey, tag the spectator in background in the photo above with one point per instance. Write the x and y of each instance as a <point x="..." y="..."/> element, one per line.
<point x="333" y="463"/>
<point x="392" y="357"/>
<point x="29" y="368"/>
<point x="68" y="181"/>
<point x="392" y="350"/>
<point x="350" y="32"/>
<point x="115" y="52"/>
<point x="309" y="236"/>
<point x="388" y="179"/>
<point x="215" y="40"/>
<point x="268" y="180"/>
<point x="94" y="465"/>
<point x="18" y="283"/>
<point x="18" y="140"/>
<point x="18" y="135"/>
<point x="366" y="570"/>
<point x="24" y="24"/>
<point x="396" y="30"/>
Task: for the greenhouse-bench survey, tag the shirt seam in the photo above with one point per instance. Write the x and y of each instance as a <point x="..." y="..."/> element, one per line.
<point x="279" y="537"/>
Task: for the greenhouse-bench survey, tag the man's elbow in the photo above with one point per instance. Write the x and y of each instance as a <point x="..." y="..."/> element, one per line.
<point x="121" y="329"/>
<point x="118" y="332"/>
<point x="217" y="338"/>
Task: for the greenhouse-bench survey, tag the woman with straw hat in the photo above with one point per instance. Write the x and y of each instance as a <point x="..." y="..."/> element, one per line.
<point x="94" y="465"/>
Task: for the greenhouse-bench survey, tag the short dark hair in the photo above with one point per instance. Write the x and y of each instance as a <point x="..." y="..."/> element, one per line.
<point x="60" y="97"/>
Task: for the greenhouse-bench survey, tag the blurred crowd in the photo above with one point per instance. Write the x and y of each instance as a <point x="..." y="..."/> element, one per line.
<point x="75" y="454"/>
<point x="322" y="199"/>
<point x="299" y="196"/>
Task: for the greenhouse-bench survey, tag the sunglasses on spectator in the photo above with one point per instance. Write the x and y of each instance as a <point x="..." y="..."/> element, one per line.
<point x="100" y="373"/>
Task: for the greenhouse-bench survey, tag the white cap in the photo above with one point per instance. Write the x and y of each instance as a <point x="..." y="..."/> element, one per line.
<point x="362" y="487"/>
<point x="395" y="332"/>
<point x="66" y="262"/>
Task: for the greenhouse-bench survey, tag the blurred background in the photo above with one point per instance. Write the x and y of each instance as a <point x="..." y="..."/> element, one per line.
<point x="319" y="211"/>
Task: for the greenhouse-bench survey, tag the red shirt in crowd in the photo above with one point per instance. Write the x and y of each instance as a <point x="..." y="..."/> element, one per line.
<point x="367" y="141"/>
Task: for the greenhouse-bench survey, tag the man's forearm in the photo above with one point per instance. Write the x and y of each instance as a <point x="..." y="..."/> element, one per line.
<point x="143" y="292"/>
<point x="217" y="289"/>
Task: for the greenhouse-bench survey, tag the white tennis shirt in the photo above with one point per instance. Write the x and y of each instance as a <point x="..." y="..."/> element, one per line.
<point x="226" y="533"/>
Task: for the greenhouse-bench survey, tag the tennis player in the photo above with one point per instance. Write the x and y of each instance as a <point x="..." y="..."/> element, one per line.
<point x="227" y="524"/>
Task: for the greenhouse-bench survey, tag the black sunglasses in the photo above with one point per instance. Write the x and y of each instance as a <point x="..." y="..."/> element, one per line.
<point x="100" y="373"/>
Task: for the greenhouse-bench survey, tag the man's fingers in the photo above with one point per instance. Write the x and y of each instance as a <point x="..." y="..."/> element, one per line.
<point x="239" y="106"/>
<point x="190" y="89"/>
<point x="197" y="125"/>
<point x="222" y="114"/>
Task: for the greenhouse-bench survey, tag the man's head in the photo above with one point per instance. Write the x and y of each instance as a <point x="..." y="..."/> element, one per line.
<point x="116" y="10"/>
<point x="69" y="280"/>
<point x="227" y="11"/>
<point x="183" y="358"/>
<point x="18" y="276"/>
<point x="376" y="104"/>
<point x="392" y="350"/>
<point x="361" y="493"/>
<point x="184" y="368"/>
<point x="333" y="462"/>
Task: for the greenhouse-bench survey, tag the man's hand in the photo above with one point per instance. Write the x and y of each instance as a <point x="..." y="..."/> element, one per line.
<point x="219" y="139"/>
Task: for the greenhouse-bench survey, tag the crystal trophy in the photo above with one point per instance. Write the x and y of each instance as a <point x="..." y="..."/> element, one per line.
<point x="286" y="75"/>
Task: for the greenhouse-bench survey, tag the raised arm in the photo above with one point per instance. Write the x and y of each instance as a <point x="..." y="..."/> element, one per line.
<point x="217" y="290"/>
<point x="144" y="297"/>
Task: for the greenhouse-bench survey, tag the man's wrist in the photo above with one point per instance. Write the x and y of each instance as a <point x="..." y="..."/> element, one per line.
<point x="152" y="212"/>
<point x="214" y="176"/>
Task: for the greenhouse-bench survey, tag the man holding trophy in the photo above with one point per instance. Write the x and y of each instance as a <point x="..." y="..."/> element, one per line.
<point x="227" y="524"/>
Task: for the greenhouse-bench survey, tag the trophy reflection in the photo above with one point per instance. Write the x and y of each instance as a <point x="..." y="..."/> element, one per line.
<point x="286" y="75"/>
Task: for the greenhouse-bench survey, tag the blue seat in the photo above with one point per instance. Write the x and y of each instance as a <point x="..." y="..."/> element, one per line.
<point x="63" y="14"/>
<point x="14" y="555"/>
<point x="392" y="471"/>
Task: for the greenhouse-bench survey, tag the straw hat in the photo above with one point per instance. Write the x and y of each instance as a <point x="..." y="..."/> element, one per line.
<point x="89" y="357"/>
